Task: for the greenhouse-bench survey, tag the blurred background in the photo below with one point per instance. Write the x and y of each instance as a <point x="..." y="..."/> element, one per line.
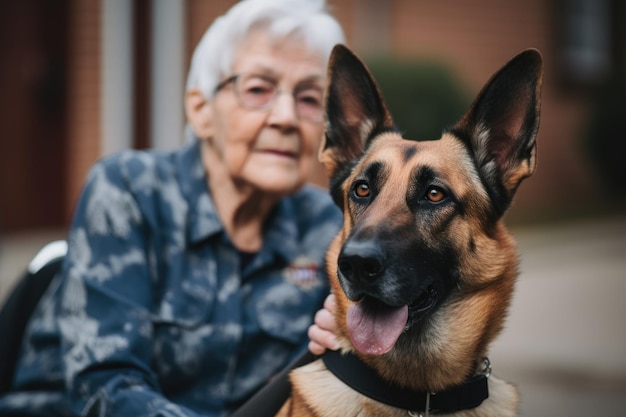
<point x="83" y="79"/>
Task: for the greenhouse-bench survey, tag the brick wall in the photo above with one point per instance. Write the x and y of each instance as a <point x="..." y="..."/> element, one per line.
<point x="83" y="96"/>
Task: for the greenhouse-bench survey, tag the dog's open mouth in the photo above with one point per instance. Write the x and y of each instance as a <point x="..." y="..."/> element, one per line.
<point x="426" y="300"/>
<point x="375" y="327"/>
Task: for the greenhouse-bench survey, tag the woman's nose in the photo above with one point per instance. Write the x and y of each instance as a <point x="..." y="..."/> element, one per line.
<point x="283" y="111"/>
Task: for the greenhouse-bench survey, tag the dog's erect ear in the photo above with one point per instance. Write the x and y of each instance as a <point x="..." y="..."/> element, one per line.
<point x="501" y="125"/>
<point x="355" y="111"/>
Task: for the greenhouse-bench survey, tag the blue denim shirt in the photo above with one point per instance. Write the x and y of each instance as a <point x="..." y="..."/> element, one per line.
<point x="154" y="314"/>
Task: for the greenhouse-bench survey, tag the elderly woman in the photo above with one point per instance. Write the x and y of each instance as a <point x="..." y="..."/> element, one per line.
<point x="193" y="276"/>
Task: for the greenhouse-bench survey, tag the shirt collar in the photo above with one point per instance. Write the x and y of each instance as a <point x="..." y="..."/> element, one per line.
<point x="203" y="222"/>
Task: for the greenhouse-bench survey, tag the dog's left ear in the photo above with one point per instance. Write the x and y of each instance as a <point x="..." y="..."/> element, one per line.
<point x="501" y="126"/>
<point x="355" y="111"/>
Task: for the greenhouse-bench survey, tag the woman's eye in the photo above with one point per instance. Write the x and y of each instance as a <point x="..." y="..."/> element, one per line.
<point x="255" y="85"/>
<point x="310" y="98"/>
<point x="435" y="195"/>
<point x="258" y="89"/>
<point x="362" y="189"/>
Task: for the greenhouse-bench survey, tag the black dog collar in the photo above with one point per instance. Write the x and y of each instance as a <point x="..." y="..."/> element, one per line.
<point x="356" y="374"/>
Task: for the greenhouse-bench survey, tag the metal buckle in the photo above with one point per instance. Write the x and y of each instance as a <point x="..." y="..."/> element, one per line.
<point x="486" y="368"/>
<point x="426" y="413"/>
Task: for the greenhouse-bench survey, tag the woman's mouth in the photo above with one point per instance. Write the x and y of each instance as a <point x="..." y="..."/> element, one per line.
<point x="280" y="153"/>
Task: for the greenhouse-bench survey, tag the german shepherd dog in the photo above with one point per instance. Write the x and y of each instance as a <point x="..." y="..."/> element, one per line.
<point x="423" y="268"/>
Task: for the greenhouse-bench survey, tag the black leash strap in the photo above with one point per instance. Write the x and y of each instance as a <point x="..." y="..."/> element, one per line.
<point x="357" y="375"/>
<point x="269" y="399"/>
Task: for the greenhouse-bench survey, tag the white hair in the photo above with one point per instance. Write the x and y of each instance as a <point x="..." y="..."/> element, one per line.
<point x="308" y="19"/>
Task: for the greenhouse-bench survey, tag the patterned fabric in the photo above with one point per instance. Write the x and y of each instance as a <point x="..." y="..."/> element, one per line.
<point x="154" y="314"/>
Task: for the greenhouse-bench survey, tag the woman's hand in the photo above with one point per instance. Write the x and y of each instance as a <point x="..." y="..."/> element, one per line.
<point x="324" y="328"/>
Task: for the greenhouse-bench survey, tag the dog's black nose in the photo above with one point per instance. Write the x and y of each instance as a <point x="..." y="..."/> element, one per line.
<point x="361" y="261"/>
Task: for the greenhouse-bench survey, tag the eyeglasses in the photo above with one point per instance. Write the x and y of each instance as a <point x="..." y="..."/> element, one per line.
<point x="258" y="92"/>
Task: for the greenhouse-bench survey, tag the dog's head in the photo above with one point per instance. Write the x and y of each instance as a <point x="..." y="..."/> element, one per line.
<point x="423" y="264"/>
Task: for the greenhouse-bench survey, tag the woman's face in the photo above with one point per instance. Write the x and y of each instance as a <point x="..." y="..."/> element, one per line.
<point x="270" y="149"/>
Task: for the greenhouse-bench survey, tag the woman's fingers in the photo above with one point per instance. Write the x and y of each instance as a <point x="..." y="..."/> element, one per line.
<point x="324" y="328"/>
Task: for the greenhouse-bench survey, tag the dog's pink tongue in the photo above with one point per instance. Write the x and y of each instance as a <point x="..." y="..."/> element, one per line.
<point x="375" y="329"/>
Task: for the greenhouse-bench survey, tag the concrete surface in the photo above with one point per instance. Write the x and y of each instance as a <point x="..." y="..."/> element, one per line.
<point x="565" y="340"/>
<point x="564" y="345"/>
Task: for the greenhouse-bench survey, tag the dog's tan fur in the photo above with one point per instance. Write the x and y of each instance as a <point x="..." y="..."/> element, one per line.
<point x="481" y="162"/>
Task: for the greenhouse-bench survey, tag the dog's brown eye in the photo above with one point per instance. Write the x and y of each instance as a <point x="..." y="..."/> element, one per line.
<point x="362" y="189"/>
<point x="435" y="195"/>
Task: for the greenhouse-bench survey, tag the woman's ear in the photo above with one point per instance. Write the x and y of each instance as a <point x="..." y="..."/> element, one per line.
<point x="199" y="113"/>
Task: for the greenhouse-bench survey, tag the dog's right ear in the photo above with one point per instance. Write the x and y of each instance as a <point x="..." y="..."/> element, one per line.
<point x="355" y="112"/>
